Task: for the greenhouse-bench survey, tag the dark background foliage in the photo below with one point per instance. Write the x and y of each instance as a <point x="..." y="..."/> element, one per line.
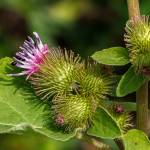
<point x="81" y="25"/>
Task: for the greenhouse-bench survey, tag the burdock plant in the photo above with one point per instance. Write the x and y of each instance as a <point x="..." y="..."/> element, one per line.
<point x="57" y="75"/>
<point x="81" y="97"/>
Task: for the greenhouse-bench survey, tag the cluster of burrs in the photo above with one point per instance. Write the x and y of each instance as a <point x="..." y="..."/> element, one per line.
<point x="137" y="40"/>
<point x="74" y="88"/>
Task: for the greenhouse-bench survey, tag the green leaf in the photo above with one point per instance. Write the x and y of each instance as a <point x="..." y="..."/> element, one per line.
<point x="130" y="82"/>
<point x="104" y="125"/>
<point x="128" y="106"/>
<point x="117" y="56"/>
<point x="136" y="140"/>
<point x="20" y="109"/>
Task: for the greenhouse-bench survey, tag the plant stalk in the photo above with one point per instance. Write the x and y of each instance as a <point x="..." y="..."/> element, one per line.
<point x="142" y="108"/>
<point x="133" y="8"/>
<point x="142" y="93"/>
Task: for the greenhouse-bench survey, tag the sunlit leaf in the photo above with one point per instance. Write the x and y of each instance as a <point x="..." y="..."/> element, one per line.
<point x="136" y="140"/>
<point x="19" y="107"/>
<point x="130" y="82"/>
<point x="117" y="56"/>
<point x="104" y="126"/>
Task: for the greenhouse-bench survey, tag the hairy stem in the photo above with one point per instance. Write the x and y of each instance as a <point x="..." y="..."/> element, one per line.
<point x="142" y="93"/>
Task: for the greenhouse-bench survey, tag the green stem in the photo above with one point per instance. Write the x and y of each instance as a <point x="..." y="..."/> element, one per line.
<point x="142" y="93"/>
<point x="142" y="108"/>
<point x="133" y="8"/>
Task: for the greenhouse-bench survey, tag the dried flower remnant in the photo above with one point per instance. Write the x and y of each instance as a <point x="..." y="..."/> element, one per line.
<point x="31" y="56"/>
<point x="60" y="120"/>
<point x="118" y="109"/>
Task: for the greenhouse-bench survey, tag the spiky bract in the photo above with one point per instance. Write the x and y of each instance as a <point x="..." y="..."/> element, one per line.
<point x="122" y="117"/>
<point x="72" y="111"/>
<point x="94" y="83"/>
<point x="124" y="121"/>
<point x="56" y="74"/>
<point x="137" y="40"/>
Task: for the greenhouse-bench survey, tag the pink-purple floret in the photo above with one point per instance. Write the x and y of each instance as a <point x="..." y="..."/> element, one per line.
<point x="31" y="56"/>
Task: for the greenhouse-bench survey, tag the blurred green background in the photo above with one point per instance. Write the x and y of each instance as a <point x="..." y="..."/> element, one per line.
<point x="81" y="25"/>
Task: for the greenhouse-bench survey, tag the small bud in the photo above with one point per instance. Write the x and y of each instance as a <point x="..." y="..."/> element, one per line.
<point x="122" y="117"/>
<point x="60" y="120"/>
<point x="118" y="109"/>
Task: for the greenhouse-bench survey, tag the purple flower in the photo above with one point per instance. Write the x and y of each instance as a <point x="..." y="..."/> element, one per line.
<point x="31" y="56"/>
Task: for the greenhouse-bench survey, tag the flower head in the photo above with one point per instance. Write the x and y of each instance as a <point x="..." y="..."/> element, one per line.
<point x="94" y="83"/>
<point x="31" y="56"/>
<point x="57" y="74"/>
<point x="137" y="38"/>
<point x="121" y="116"/>
<point x="72" y="111"/>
